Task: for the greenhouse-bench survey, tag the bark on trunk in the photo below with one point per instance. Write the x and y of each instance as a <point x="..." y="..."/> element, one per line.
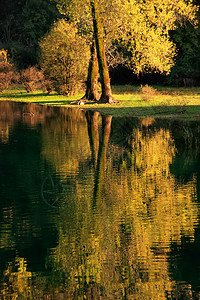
<point x="106" y="96"/>
<point x="93" y="75"/>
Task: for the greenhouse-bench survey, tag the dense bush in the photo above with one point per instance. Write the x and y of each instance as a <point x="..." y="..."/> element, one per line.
<point x="147" y="92"/>
<point x="47" y="86"/>
<point x="7" y="71"/>
<point x="31" y="79"/>
<point x="65" y="57"/>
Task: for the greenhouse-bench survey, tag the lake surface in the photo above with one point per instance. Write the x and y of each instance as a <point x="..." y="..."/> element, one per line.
<point x="95" y="207"/>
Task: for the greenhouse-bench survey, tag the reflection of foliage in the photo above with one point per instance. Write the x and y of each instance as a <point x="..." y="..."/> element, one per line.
<point x="121" y="247"/>
<point x="4" y="133"/>
<point x="153" y="192"/>
<point x="66" y="143"/>
<point x="17" y="280"/>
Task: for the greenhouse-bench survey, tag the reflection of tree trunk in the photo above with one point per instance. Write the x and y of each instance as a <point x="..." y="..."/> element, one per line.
<point x="93" y="133"/>
<point x="98" y="149"/>
<point x="93" y="75"/>
<point x="106" y="96"/>
<point x="100" y="169"/>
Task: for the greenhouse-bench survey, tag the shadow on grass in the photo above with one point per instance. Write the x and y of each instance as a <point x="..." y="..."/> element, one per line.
<point x="53" y="102"/>
<point x="24" y="95"/>
<point x="189" y="111"/>
<point x="38" y="98"/>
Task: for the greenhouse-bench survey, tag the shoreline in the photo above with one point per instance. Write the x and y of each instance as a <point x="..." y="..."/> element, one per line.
<point x="181" y="103"/>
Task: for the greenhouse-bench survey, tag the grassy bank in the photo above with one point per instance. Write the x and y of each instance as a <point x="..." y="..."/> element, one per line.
<point x="132" y="101"/>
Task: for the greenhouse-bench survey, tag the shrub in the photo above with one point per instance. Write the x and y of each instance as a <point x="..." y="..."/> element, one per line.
<point x="7" y="71"/>
<point x="65" y="57"/>
<point x="47" y="86"/>
<point x="31" y="78"/>
<point x="147" y="92"/>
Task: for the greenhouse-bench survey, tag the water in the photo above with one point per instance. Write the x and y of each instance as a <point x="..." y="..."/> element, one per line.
<point x="95" y="207"/>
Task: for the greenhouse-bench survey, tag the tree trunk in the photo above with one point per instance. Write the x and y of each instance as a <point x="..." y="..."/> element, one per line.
<point x="93" y="75"/>
<point x="106" y="96"/>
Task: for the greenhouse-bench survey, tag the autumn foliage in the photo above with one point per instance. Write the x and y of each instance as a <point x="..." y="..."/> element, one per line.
<point x="65" y="57"/>
<point x="7" y="71"/>
<point x="31" y="77"/>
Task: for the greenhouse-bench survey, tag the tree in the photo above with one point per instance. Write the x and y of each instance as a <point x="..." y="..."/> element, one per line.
<point x="22" y="24"/>
<point x="186" y="70"/>
<point x="64" y="56"/>
<point x="142" y="27"/>
<point x="7" y="71"/>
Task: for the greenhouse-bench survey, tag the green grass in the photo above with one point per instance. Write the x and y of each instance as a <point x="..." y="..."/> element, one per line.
<point x="166" y="102"/>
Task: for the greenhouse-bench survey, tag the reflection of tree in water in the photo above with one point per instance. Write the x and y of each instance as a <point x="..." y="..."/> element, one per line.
<point x="115" y="233"/>
<point x="66" y="142"/>
<point x="124" y="239"/>
<point x="17" y="281"/>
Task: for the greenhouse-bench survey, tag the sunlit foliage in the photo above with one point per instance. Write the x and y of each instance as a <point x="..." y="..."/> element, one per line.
<point x="64" y="57"/>
<point x="7" y="71"/>
<point x="140" y="27"/>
